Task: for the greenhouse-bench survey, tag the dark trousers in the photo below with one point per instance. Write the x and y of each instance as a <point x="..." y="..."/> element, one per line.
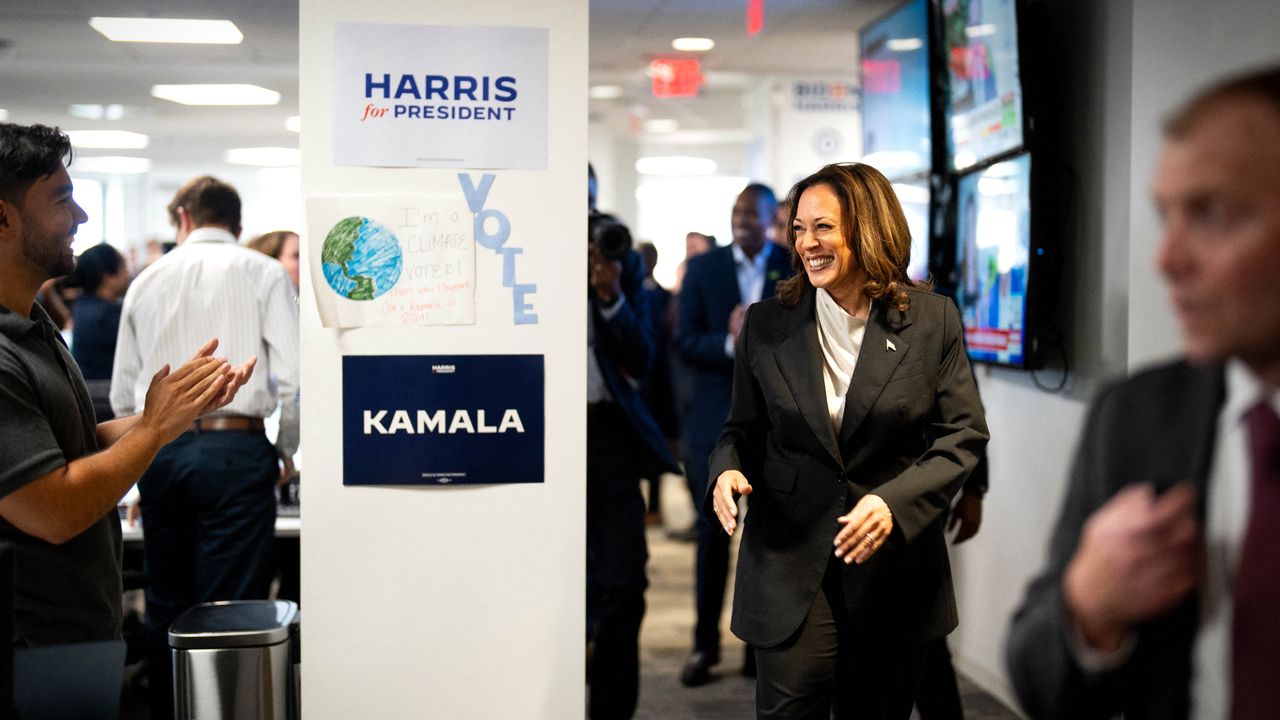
<point x="826" y="670"/>
<point x="616" y="556"/>
<point x="939" y="697"/>
<point x="711" y="571"/>
<point x="208" y="512"/>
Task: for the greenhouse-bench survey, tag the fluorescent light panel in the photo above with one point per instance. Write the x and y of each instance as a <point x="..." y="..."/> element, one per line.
<point x="604" y="92"/>
<point x="904" y="44"/>
<point x="4" y="115"/>
<point x="227" y="94"/>
<point x="111" y="165"/>
<point x="90" y="111"/>
<point x="168" y="30"/>
<point x="661" y="125"/>
<point x="693" y="44"/>
<point x="675" y="165"/>
<point x="108" y="139"/>
<point x="263" y="156"/>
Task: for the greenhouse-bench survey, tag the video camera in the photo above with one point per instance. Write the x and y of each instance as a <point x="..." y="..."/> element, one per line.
<point x="610" y="235"/>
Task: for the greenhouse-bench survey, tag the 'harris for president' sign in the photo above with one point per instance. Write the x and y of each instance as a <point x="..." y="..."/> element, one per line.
<point x="440" y="96"/>
<point x="440" y="420"/>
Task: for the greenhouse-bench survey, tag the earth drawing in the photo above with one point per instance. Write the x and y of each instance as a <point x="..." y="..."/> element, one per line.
<point x="361" y="258"/>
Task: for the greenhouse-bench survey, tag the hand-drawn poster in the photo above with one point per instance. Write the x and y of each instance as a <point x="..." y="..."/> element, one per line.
<point x="392" y="260"/>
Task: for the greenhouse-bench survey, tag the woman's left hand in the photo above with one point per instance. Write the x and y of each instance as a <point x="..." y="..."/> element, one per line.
<point x="866" y="528"/>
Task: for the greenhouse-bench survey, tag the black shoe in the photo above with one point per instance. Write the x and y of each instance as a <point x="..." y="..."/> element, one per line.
<point x="697" y="669"/>
<point x="749" y="662"/>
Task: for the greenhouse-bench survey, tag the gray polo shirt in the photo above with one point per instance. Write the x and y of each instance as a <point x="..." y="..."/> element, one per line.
<point x="69" y="592"/>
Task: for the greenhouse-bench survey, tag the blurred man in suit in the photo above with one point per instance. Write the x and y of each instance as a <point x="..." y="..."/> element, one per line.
<point x="1164" y="570"/>
<point x="624" y="445"/>
<point x="718" y="286"/>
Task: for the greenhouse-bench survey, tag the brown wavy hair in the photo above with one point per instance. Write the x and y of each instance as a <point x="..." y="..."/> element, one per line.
<point x="873" y="226"/>
<point x="270" y="243"/>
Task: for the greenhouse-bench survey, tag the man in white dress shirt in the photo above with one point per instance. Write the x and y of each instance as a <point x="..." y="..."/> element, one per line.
<point x="208" y="500"/>
<point x="1162" y="594"/>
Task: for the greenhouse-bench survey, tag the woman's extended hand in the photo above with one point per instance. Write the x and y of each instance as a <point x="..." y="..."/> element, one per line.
<point x="866" y="527"/>
<point x="729" y="486"/>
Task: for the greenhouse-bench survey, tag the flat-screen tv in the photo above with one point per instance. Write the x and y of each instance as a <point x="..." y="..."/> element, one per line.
<point x="984" y="104"/>
<point x="993" y="260"/>
<point x="894" y="52"/>
<point x="914" y="196"/>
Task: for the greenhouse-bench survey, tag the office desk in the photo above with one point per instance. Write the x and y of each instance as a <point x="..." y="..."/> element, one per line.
<point x="288" y="534"/>
<point x="286" y="527"/>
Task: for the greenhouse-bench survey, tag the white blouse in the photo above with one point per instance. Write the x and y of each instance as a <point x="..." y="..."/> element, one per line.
<point x="840" y="337"/>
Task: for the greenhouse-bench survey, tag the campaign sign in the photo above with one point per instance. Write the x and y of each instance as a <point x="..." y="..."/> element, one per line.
<point x="442" y="419"/>
<point x="440" y="96"/>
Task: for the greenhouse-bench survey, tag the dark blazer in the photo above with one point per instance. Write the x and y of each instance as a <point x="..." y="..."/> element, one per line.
<point x="707" y="297"/>
<point x="624" y="350"/>
<point x="912" y="430"/>
<point x="1158" y="427"/>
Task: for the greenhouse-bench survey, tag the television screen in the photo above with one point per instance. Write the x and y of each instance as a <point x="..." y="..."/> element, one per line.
<point x="894" y="53"/>
<point x="993" y="249"/>
<point x="984" y="103"/>
<point x="914" y="196"/>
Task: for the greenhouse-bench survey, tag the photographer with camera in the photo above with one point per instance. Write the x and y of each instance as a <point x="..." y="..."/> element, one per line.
<point x="624" y="445"/>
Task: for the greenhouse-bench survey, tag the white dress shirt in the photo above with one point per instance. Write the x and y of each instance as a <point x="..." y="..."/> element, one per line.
<point x="1227" y="515"/>
<point x="840" y="337"/>
<point x="751" y="275"/>
<point x="210" y="286"/>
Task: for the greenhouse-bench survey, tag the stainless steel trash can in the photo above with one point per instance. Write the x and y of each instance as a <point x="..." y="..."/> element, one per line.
<point x="235" y="661"/>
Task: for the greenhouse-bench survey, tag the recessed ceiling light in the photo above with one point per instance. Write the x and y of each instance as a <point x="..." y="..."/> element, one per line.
<point x="661" y="125"/>
<point x="167" y="30"/>
<point x="604" y="92"/>
<point x="263" y="156"/>
<point x="228" y="94"/>
<point x="675" y="165"/>
<point x="904" y="44"/>
<point x="293" y="123"/>
<point x="111" y="165"/>
<point x="693" y="44"/>
<point x="108" y="139"/>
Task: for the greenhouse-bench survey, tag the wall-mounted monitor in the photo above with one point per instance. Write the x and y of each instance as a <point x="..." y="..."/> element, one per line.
<point x="894" y="52"/>
<point x="994" y="259"/>
<point x="914" y="196"/>
<point x="984" y="105"/>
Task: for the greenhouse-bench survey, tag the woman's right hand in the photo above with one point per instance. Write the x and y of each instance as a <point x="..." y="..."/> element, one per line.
<point x="729" y="485"/>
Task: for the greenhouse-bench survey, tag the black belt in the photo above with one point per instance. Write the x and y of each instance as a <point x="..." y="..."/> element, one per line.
<point x="222" y="423"/>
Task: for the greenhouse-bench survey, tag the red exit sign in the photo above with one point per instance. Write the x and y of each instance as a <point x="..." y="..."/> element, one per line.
<point x="675" y="77"/>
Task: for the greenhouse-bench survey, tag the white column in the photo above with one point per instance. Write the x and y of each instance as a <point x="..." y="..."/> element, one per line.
<point x="465" y="601"/>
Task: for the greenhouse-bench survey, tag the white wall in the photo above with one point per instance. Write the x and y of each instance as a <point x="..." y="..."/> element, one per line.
<point x="1126" y="63"/>
<point x="1178" y="47"/>
<point x="453" y="602"/>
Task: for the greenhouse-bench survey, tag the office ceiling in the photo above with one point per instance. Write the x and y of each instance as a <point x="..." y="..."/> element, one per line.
<point x="50" y="59"/>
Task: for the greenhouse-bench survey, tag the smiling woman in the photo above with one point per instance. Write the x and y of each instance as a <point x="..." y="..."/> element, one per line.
<point x="855" y="419"/>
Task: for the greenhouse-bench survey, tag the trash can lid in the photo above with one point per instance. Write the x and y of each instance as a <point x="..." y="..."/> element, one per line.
<point x="236" y="623"/>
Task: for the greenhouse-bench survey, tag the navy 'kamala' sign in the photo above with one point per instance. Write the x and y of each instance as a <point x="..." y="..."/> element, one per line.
<point x="442" y="419"/>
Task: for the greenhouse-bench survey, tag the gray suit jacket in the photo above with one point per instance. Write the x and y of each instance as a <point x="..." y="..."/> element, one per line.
<point x="912" y="430"/>
<point x="1157" y="427"/>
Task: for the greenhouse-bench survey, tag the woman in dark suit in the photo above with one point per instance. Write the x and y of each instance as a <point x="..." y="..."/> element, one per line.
<point x="855" y="420"/>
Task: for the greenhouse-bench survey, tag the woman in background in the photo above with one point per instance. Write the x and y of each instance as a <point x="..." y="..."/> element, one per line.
<point x="103" y="277"/>
<point x="283" y="246"/>
<point x="854" y="421"/>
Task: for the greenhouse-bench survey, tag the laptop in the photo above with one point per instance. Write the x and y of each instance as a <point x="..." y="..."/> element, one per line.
<point x="78" y="681"/>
